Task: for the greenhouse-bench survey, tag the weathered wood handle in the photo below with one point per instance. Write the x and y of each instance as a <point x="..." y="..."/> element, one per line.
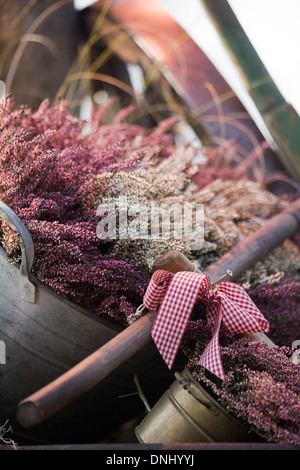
<point x="81" y="378"/>
<point x="85" y="375"/>
<point x="89" y="372"/>
<point x="257" y="245"/>
<point x="244" y="255"/>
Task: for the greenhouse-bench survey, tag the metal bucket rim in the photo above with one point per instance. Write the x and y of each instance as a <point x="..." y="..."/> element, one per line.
<point x="66" y="300"/>
<point x="207" y="395"/>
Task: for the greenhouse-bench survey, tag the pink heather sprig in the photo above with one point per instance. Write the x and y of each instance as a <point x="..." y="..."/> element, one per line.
<point x="48" y="176"/>
<point x="270" y="408"/>
<point x="262" y="388"/>
<point x="263" y="384"/>
<point x="280" y="304"/>
<point x="49" y="168"/>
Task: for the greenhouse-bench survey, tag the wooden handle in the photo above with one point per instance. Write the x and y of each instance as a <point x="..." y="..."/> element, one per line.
<point x="174" y="261"/>
<point x="81" y="378"/>
<point x="257" y="245"/>
<point x="89" y="372"/>
<point x="85" y="375"/>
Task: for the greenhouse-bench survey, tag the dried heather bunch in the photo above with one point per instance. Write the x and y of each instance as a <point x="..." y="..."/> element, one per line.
<point x="263" y="384"/>
<point x="233" y="210"/>
<point x="49" y="177"/>
<point x="54" y="175"/>
<point x="262" y="388"/>
<point x="280" y="304"/>
<point x="142" y="187"/>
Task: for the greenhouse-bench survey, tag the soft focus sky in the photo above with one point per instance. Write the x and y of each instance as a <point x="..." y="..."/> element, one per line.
<point x="271" y="25"/>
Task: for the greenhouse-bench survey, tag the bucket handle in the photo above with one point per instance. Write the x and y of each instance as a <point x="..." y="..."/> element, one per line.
<point x="187" y="386"/>
<point x="27" y="250"/>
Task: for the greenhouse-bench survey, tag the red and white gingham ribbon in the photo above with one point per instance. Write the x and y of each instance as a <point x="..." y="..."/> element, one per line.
<point x="178" y="293"/>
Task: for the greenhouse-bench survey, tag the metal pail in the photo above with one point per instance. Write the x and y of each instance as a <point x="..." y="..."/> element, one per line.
<point x="45" y="335"/>
<point x="187" y="413"/>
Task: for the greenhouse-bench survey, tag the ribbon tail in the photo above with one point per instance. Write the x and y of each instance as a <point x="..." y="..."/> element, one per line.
<point x="211" y="357"/>
<point x="240" y="313"/>
<point x="174" y="313"/>
<point x="167" y="333"/>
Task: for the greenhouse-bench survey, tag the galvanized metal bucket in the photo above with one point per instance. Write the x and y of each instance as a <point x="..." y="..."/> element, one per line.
<point x="187" y="413"/>
<point x="45" y="335"/>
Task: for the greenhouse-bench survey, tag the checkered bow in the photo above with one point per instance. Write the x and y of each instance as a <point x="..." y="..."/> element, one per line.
<point x="176" y="295"/>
